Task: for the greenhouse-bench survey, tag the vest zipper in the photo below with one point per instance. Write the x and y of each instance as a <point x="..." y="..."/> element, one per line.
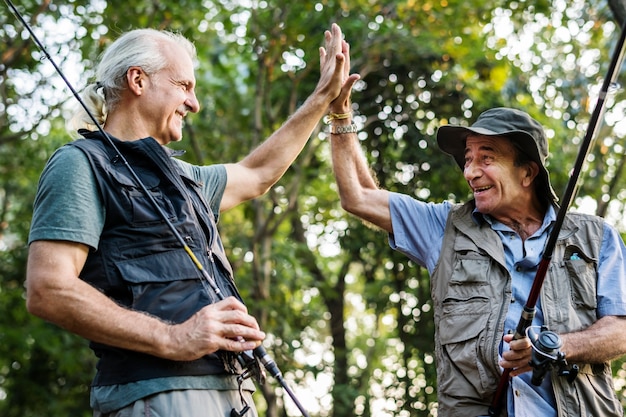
<point x="499" y="331"/>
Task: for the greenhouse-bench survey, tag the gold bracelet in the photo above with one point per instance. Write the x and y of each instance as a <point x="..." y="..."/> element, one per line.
<point x="336" y="116"/>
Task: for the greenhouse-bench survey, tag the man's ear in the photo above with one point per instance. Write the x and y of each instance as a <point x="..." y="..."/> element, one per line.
<point x="136" y="79"/>
<point x="531" y="172"/>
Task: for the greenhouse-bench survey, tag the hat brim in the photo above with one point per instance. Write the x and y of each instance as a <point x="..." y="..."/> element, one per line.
<point x="451" y="140"/>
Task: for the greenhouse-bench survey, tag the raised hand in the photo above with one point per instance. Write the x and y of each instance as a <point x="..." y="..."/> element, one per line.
<point x="335" y="69"/>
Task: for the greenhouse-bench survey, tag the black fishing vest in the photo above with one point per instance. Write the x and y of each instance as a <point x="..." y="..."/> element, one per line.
<point x="139" y="262"/>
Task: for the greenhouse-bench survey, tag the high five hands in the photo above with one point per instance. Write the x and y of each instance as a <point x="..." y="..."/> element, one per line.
<point x="335" y="60"/>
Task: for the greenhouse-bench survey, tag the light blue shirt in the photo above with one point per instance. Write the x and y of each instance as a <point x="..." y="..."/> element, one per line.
<point x="418" y="229"/>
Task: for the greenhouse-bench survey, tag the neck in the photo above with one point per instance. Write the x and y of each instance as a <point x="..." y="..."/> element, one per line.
<point x="125" y="123"/>
<point x="527" y="221"/>
<point x="525" y="228"/>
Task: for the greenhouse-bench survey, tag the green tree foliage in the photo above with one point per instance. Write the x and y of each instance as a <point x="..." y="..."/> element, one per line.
<point x="349" y="320"/>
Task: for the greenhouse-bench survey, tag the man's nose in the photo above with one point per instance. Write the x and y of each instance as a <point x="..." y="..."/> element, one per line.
<point x="192" y="103"/>
<point x="470" y="170"/>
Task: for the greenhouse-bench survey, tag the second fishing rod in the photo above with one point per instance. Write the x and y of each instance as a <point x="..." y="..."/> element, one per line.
<point x="247" y="359"/>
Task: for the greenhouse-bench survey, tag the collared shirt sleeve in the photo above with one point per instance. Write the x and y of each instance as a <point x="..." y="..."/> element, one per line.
<point x="612" y="275"/>
<point x="417" y="228"/>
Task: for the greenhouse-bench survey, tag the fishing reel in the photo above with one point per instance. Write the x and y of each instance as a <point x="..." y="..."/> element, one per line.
<point x="546" y="355"/>
<point x="245" y="365"/>
<point x="251" y="367"/>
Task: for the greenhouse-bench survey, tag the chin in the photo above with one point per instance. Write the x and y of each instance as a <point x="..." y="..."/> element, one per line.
<point x="171" y="139"/>
<point x="177" y="135"/>
<point x="483" y="208"/>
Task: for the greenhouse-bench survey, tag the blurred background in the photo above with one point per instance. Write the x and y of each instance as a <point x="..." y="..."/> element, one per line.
<point x="349" y="321"/>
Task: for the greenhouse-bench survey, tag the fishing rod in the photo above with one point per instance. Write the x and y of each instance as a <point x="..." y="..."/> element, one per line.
<point x="247" y="358"/>
<point x="528" y="313"/>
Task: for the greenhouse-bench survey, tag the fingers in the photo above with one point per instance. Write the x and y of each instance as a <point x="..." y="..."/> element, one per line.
<point x="225" y="325"/>
<point x="518" y="356"/>
<point x="340" y="49"/>
<point x="345" y="49"/>
<point x="322" y="54"/>
<point x="342" y="103"/>
<point x="336" y="37"/>
<point x="522" y="344"/>
<point x="230" y="303"/>
<point x="234" y="318"/>
<point x="335" y="80"/>
<point x="332" y="39"/>
<point x="332" y="44"/>
<point x="521" y="370"/>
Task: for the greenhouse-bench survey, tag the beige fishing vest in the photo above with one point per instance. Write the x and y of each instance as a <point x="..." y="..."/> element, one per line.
<point x="471" y="291"/>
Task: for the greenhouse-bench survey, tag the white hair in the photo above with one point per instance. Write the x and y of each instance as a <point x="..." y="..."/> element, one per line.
<point x="139" y="47"/>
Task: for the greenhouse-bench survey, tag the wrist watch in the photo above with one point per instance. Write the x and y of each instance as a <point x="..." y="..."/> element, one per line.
<point x="341" y="129"/>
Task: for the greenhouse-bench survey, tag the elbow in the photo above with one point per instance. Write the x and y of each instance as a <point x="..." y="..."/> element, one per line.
<point x="258" y="188"/>
<point x="354" y="198"/>
<point x="348" y="205"/>
<point x="352" y="204"/>
<point x="36" y="302"/>
<point x="371" y="205"/>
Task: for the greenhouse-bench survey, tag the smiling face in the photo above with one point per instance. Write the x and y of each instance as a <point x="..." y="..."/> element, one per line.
<point x="501" y="188"/>
<point x="169" y="96"/>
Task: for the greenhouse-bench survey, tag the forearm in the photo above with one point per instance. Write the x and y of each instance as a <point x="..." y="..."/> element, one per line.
<point x="602" y="341"/>
<point x="56" y="294"/>
<point x="358" y="190"/>
<point x="269" y="161"/>
<point x="85" y="311"/>
<point x="351" y="170"/>
<point x="256" y="173"/>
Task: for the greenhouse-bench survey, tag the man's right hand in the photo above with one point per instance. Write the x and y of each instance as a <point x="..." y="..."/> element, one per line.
<point x="225" y="325"/>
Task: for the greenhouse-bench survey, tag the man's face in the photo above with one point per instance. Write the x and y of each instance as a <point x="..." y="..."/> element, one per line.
<point x="500" y="188"/>
<point x="171" y="96"/>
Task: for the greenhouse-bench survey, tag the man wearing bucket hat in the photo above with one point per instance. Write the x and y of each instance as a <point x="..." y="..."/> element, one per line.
<point x="483" y="257"/>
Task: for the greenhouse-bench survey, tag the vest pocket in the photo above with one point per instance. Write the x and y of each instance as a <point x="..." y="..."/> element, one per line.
<point x="461" y="332"/>
<point x="465" y="313"/>
<point x="139" y="208"/>
<point x="166" y="285"/>
<point x="463" y="320"/>
<point x="591" y="394"/>
<point x="142" y="209"/>
<point x="581" y="270"/>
